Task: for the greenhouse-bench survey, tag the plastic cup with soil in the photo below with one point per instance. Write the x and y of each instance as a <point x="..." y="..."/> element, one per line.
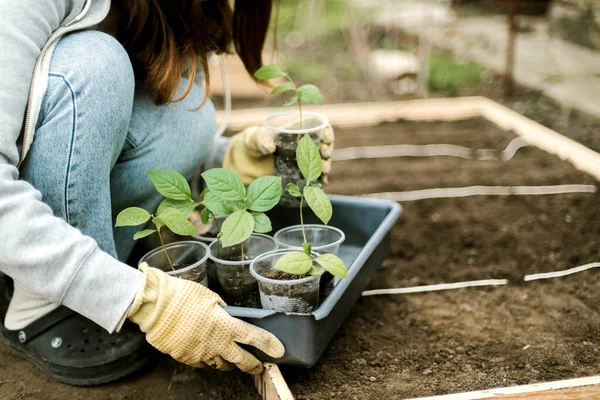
<point x="290" y="130"/>
<point x="283" y="292"/>
<point x="324" y="239"/>
<point x="239" y="288"/>
<point x="188" y="258"/>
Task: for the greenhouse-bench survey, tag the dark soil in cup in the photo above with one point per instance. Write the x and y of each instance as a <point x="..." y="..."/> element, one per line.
<point x="213" y="278"/>
<point x="289" y="298"/>
<point x="238" y="286"/>
<point x="195" y="275"/>
<point x="407" y="346"/>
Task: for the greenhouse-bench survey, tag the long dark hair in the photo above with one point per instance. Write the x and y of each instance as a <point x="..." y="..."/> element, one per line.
<point x="168" y="39"/>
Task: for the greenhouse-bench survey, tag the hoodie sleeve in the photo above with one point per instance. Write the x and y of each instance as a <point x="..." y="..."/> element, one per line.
<point x="38" y="250"/>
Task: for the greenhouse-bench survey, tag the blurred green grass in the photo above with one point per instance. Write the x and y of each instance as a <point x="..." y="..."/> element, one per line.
<point x="449" y="76"/>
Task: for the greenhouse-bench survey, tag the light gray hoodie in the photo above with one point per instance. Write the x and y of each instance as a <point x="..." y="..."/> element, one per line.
<point x="38" y="250"/>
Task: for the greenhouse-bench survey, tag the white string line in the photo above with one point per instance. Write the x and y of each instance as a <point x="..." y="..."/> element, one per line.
<point x="558" y="274"/>
<point x="485" y="282"/>
<point x="442" y="193"/>
<point x="435" y="288"/>
<point x="428" y="150"/>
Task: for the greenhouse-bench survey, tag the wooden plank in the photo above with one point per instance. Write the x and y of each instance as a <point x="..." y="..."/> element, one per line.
<point x="271" y="385"/>
<point x="572" y="389"/>
<point x="582" y="393"/>
<point x="365" y="114"/>
<point x="583" y="158"/>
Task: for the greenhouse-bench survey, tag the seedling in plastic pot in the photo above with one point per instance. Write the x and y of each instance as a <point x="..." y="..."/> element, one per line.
<point x="173" y="212"/>
<point x="301" y="263"/>
<point x="308" y="93"/>
<point x="245" y="208"/>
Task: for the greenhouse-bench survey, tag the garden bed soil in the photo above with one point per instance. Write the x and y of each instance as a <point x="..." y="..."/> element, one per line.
<point x="402" y="346"/>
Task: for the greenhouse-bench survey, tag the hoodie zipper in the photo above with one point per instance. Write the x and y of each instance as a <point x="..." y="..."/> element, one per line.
<point x="79" y="17"/>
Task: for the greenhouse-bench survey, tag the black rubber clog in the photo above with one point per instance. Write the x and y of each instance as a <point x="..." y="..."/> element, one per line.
<point x="72" y="349"/>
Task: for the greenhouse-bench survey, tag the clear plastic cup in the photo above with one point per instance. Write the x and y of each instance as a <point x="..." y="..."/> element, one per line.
<point x="188" y="258"/>
<point x="238" y="286"/>
<point x="290" y="131"/>
<point x="324" y="239"/>
<point x="284" y="295"/>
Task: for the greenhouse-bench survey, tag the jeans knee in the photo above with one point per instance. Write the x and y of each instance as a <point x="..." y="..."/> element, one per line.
<point x="178" y="135"/>
<point x="96" y="64"/>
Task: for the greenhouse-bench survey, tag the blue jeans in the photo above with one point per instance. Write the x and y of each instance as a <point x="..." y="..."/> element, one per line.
<point x="98" y="133"/>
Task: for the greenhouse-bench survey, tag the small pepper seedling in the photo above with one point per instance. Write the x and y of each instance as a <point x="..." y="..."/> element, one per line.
<point x="308" y="93"/>
<point x="301" y="263"/>
<point x="173" y="212"/>
<point x="244" y="208"/>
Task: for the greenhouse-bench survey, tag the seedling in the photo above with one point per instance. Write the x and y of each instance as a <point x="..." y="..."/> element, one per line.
<point x="245" y="208"/>
<point x="308" y="93"/>
<point x="173" y="212"/>
<point x="297" y="262"/>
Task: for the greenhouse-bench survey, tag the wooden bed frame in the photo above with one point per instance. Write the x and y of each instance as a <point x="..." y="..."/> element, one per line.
<point x="271" y="384"/>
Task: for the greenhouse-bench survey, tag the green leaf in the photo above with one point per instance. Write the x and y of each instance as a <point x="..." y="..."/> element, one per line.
<point x="183" y="206"/>
<point x="214" y="203"/>
<point x="236" y="228"/>
<point x="264" y="193"/>
<point x="318" y="202"/>
<point x="143" y="234"/>
<point x="309" y="158"/>
<point x="132" y="216"/>
<point x="205" y="216"/>
<point x="271" y="71"/>
<point x="317" y="185"/>
<point x="332" y="264"/>
<point x="294" y="262"/>
<point x="262" y="223"/>
<point x="224" y="183"/>
<point x="284" y="87"/>
<point x="177" y="222"/>
<point x="316" y="271"/>
<point x="170" y="184"/>
<point x="293" y="189"/>
<point x="291" y="101"/>
<point x="310" y="94"/>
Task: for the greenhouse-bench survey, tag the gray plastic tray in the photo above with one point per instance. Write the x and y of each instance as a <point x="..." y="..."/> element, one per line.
<point x="367" y="224"/>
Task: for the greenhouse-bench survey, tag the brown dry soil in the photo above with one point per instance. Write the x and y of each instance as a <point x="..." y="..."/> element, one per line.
<point x="402" y="346"/>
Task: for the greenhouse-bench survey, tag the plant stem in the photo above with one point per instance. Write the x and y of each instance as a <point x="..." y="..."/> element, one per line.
<point x="243" y="251"/>
<point x="218" y="230"/>
<point x="300" y="109"/>
<point x="302" y="219"/>
<point x="165" y="250"/>
<point x="299" y="101"/>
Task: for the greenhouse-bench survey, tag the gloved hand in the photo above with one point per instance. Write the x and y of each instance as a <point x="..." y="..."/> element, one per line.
<point x="250" y="153"/>
<point x="184" y="319"/>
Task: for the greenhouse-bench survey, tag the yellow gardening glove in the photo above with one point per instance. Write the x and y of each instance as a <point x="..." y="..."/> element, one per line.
<point x="185" y="320"/>
<point x="250" y="153"/>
